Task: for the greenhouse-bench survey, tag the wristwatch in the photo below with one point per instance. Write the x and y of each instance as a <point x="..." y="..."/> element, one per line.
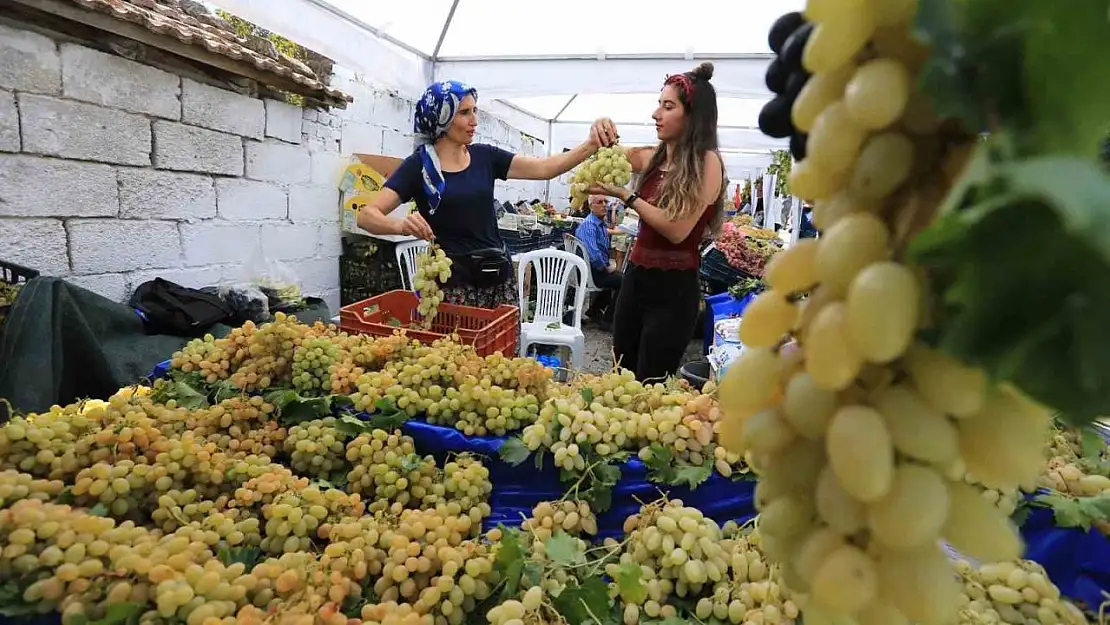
<point x="631" y="200"/>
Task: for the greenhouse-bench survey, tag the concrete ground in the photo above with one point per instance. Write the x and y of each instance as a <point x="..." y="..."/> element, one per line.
<point x="599" y="350"/>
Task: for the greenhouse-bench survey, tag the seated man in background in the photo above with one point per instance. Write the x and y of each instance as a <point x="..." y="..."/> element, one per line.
<point x="594" y="234"/>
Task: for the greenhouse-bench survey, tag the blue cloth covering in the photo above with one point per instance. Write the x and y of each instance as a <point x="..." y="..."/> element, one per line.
<point x="722" y="306"/>
<point x="516" y="490"/>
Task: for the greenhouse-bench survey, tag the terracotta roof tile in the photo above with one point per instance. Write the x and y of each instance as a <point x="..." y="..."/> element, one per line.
<point x="214" y="35"/>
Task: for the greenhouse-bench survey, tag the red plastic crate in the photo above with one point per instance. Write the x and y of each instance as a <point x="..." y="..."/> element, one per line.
<point x="489" y="331"/>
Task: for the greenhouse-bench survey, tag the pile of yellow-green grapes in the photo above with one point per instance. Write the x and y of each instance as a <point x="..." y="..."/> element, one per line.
<point x="608" y="166"/>
<point x="614" y="413"/>
<point x="862" y="437"/>
<point x="433" y="269"/>
<point x="234" y="513"/>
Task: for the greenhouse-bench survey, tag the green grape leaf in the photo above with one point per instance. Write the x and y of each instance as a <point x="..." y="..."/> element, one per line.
<point x="412" y="462"/>
<point x="1021" y="513"/>
<point x="1091" y="444"/>
<point x="121" y="614"/>
<point x="99" y="510"/>
<point x="351" y="426"/>
<point x="1022" y="263"/>
<point x="510" y="560"/>
<point x="225" y="390"/>
<point x="564" y="550"/>
<point x="387" y="416"/>
<point x="188" y="396"/>
<point x="691" y="475"/>
<point x="1096" y="508"/>
<point x="1066" y="511"/>
<point x="607" y="473"/>
<point x="587" y="394"/>
<point x="514" y="451"/>
<point x="280" y="398"/>
<point x="531" y="574"/>
<point x="671" y="620"/>
<point x="630" y="583"/>
<point x="249" y="556"/>
<point x="583" y="602"/>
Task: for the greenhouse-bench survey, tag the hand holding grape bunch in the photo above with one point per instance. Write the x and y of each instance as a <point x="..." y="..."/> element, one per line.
<point x="433" y="268"/>
<point x="603" y="173"/>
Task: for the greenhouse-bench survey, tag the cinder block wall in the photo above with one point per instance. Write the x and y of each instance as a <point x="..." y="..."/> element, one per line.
<point x="113" y="172"/>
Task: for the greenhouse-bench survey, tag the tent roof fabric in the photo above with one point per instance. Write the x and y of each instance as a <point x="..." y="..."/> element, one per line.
<point x="538" y="56"/>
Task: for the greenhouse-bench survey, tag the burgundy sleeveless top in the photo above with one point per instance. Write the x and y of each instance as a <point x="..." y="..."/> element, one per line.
<point x="655" y="251"/>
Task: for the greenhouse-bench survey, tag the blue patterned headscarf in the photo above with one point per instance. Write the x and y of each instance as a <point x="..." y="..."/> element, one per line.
<point x="434" y="114"/>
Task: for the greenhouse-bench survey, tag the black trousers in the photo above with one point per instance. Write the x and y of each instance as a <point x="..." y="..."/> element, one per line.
<point x="609" y="283"/>
<point x="655" y="317"/>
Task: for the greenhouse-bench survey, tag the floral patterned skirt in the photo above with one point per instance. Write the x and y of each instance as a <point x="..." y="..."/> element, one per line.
<point x="489" y="297"/>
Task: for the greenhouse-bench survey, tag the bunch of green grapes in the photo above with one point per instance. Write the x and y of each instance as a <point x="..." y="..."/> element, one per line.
<point x="240" y="426"/>
<point x="679" y="546"/>
<point x="316" y="448"/>
<point x="753" y="590"/>
<point x="850" y="431"/>
<point x="386" y="468"/>
<point x="1005" y="498"/>
<point x="463" y="488"/>
<point x="479" y="408"/>
<point x="433" y="268"/>
<point x="232" y="527"/>
<point x="16" y="485"/>
<point x="572" y="517"/>
<point x="312" y="364"/>
<point x="622" y="414"/>
<point x="122" y="487"/>
<point x="1012" y="593"/>
<point x="531" y="609"/>
<point x="293" y="517"/>
<point x="253" y="357"/>
<point x="45" y="445"/>
<point x="608" y="165"/>
<point x="420" y="558"/>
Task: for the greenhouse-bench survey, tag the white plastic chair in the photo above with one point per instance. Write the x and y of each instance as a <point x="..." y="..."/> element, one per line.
<point x="575" y="246"/>
<point x="406" y="260"/>
<point x="554" y="270"/>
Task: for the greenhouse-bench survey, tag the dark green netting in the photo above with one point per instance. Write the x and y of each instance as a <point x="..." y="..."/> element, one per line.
<point x="62" y="343"/>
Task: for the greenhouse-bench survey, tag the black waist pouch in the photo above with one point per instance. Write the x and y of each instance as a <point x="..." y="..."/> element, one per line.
<point x="481" y="268"/>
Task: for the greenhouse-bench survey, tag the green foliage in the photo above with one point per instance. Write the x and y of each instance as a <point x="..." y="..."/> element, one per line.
<point x="781" y="162"/>
<point x="1020" y="253"/>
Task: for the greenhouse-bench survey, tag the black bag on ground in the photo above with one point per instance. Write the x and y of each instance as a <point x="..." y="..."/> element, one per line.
<point x="482" y="269"/>
<point x="169" y="308"/>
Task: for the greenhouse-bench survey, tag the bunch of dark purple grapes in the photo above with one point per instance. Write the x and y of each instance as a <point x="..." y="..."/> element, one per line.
<point x="786" y="77"/>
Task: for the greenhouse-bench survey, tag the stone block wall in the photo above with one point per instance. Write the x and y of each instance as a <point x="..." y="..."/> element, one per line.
<point x="113" y="172"/>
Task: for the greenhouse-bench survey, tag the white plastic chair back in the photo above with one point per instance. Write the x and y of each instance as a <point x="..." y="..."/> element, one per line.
<point x="406" y="260"/>
<point x="578" y="248"/>
<point x="568" y="242"/>
<point x="554" y="269"/>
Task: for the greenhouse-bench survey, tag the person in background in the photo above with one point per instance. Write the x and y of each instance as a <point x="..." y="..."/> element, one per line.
<point x="451" y="180"/>
<point x="621" y="240"/>
<point x="680" y="200"/>
<point x="594" y="232"/>
<point x="808" y="230"/>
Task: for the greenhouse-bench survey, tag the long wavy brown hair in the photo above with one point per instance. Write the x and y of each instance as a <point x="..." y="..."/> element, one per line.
<point x="680" y="192"/>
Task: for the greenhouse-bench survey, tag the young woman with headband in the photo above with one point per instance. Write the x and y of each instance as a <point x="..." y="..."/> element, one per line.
<point x="679" y="199"/>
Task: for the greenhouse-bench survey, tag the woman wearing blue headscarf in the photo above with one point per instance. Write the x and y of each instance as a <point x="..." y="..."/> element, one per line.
<point x="451" y="181"/>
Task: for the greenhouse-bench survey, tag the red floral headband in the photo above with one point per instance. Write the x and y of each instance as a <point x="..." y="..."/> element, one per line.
<point x="685" y="85"/>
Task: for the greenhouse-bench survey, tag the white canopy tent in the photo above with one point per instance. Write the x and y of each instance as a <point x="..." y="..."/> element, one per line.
<point x="562" y="64"/>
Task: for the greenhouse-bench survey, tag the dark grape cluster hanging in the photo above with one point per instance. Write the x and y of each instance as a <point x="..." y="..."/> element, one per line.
<point x="786" y="77"/>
